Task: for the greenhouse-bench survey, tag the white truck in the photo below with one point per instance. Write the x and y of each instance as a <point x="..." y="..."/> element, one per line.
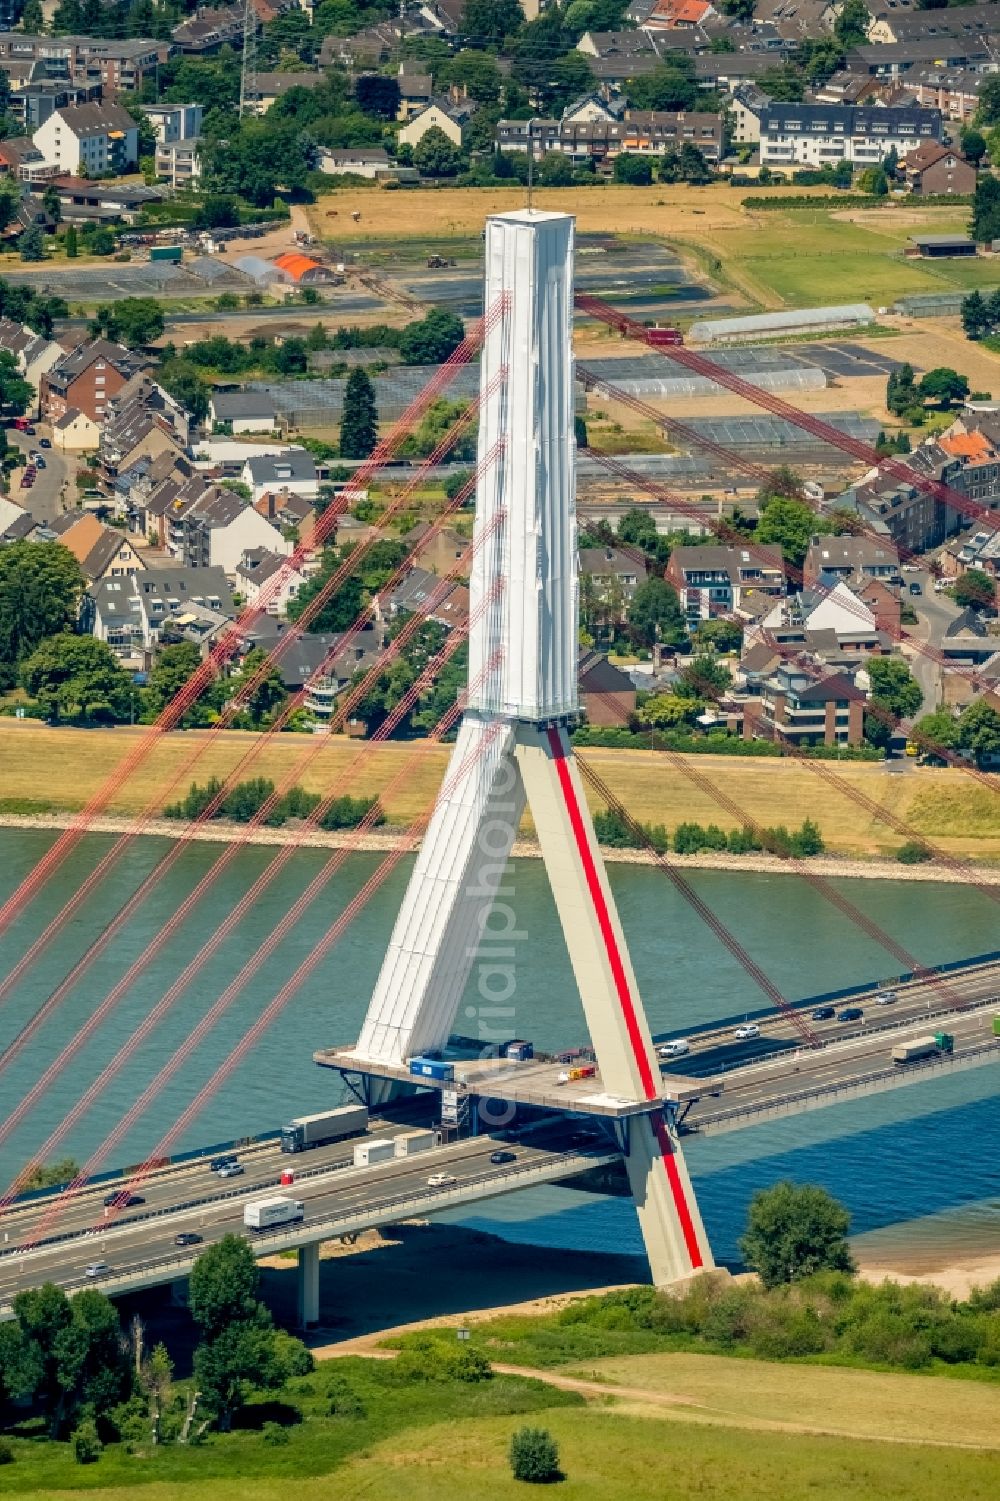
<point x="329" y="1125"/>
<point x="265" y="1214"/>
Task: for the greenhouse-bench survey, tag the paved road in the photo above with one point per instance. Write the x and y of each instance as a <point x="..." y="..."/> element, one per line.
<point x="42" y="500"/>
<point x="935" y="612"/>
<point x="144" y="1248"/>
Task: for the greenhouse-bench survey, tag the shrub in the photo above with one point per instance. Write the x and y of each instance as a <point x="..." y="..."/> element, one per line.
<point x="782" y="1330"/>
<point x="6" y="1452"/>
<point x="347" y="813"/>
<point x="888" y="1338"/>
<point x="534" y="1457"/>
<point x="273" y="1433"/>
<point x="87" y="1446"/>
<point x="913" y="853"/>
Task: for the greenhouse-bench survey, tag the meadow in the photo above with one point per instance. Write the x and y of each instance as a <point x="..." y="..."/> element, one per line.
<point x="60" y="769"/>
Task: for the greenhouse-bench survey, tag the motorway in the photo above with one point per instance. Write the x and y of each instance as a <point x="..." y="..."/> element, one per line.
<point x="339" y="1198"/>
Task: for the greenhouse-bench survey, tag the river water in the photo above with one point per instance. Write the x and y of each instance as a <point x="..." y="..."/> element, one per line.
<point x="918" y="1165"/>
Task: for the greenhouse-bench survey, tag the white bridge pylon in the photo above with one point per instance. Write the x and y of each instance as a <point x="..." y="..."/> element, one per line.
<point x="513" y="746"/>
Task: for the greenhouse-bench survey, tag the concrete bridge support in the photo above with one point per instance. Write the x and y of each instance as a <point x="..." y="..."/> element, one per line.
<point x="308" y="1286"/>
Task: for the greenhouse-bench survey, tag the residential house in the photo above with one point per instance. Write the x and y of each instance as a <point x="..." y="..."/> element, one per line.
<point x="142" y="422"/>
<point x="371" y="162"/>
<point x="422" y="591"/>
<point x="101" y="551"/>
<point x="607" y="695"/>
<point x="243" y="411"/>
<point x="295" y="517"/>
<point x="844" y="556"/>
<point x="16" y="524"/>
<point x="86" y="378"/>
<point x="217" y="529"/>
<point x="900" y="21"/>
<point x="641" y="132"/>
<point x="21" y="158"/>
<point x="81" y="200"/>
<point x="815" y="135"/>
<point x="826" y="605"/>
<point x="208" y="31"/>
<point x="121" y="67"/>
<point x="76" y="432"/>
<point x="447" y="551"/>
<point x="796" y="19"/>
<point x="915" y="516"/>
<point x="89" y="139"/>
<point x="32" y="103"/>
<point x="34" y="354"/>
<point x="716" y="580"/>
<point x="272" y="86"/>
<point x="179" y="164"/>
<point x="980" y="549"/>
<point x="897" y="59"/>
<point x="129" y="613"/>
<point x="746" y="109"/>
<point x="441" y="114"/>
<point x="294" y="470"/>
<point x="416" y="89"/>
<point x="174" y="122"/>
<point x="936" y="169"/>
<point x="672" y="15"/>
<point x="803" y="710"/>
<point x="954" y="91"/>
<point x="264" y="578"/>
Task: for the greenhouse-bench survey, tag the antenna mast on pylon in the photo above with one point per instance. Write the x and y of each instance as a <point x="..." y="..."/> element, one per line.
<point x="248" y="72"/>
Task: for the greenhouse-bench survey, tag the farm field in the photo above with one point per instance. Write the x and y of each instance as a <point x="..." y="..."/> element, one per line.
<point x="41" y="764"/>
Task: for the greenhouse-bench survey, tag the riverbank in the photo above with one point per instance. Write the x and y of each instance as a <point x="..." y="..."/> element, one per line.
<point x="221" y="832"/>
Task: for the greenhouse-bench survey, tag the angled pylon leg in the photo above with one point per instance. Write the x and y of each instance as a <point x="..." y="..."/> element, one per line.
<point x="461" y="863"/>
<point x="671" y="1225"/>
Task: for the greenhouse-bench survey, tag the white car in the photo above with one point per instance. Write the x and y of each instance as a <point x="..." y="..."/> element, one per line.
<point x="97" y="1269"/>
<point x="675" y="1049"/>
<point x="746" y="1032"/>
<point x="441" y="1180"/>
<point x="886" y="998"/>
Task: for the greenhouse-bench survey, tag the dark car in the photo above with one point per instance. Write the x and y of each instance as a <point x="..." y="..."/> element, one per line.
<point x="223" y="1161"/>
<point x="823" y="1014"/>
<point x="499" y="1157"/>
<point x="123" y="1200"/>
<point x="187" y="1238"/>
<point x="850" y="1014"/>
<point x="39" y="462"/>
<point x="915" y="588"/>
<point x="45" y="442"/>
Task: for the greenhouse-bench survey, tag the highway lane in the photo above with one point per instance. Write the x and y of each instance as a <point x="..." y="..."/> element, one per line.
<point x="764" y="1083"/>
<point x="134" y="1245"/>
<point x="936" y="1000"/>
<point x="186" y="1182"/>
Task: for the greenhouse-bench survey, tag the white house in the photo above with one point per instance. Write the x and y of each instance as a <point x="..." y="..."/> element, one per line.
<point x="89" y="139"/>
<point x="75" y="432"/>
<point x="259" y="570"/>
<point x="821" y="135"/>
<point x="294" y="471"/>
<point x="178" y="164"/>
<point x="174" y="122"/>
<point x="244" y="411"/>
<point x="445" y="116"/>
<point x="217" y="529"/>
<point x="34" y="354"/>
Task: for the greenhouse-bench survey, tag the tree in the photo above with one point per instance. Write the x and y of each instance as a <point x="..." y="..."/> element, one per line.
<point x="667" y="711"/>
<point x="485" y="23"/>
<point x="988" y="107"/>
<point x="133" y="321"/>
<point x="742" y="10"/>
<point x="15" y="391"/>
<point x="985" y="226"/>
<point x="782" y="84"/>
<point x="174" y="667"/>
<point x="70" y="242"/>
<point x="694" y="166"/>
<point x="635" y="170"/>
<point x="435" y="155"/>
<point x="791" y="525"/>
<point x="655" y="614"/>
<point x="20" y="1367"/>
<point x="52" y="204"/>
<point x="976" y="322"/>
<point x="222" y="1289"/>
<point x="794" y="1230"/>
<point x="31" y="244"/>
<point x="940" y="728"/>
<point x="851" y="26"/>
<point x="973" y="145"/>
<point x="41" y="585"/>
<point x="32" y="17"/>
<point x="874" y="182"/>
<point x="944" y="385"/>
<point x="186" y="384"/>
<point x="975" y="588"/>
<point x="218" y="211"/>
<point x="433" y="339"/>
<point x="895" y="690"/>
<point x="901" y="394"/>
<point x="377" y="95"/>
<point x="478" y="73"/>
<point x="534" y="1456"/>
<point x="670" y="86"/>
<point x="77" y="678"/>
<point x="555" y="170"/>
<point x="262" y="703"/>
<point x="704" y="678"/>
<point x="51" y="1174"/>
<point x="979" y="732"/>
<point x="359" y="420"/>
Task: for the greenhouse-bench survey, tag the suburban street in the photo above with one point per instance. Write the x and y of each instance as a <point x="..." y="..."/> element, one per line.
<point x="935" y="612"/>
<point x="43" y="498"/>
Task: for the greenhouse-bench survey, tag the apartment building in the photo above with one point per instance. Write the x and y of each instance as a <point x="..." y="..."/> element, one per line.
<point x="820" y="135"/>
<point x="89" y="139"/>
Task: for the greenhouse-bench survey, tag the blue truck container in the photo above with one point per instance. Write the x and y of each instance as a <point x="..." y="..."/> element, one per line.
<point x="432" y="1068"/>
<point x="520" y="1051"/>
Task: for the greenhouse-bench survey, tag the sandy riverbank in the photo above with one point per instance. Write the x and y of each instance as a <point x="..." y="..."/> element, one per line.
<point x="524" y="849"/>
<point x="419" y="1275"/>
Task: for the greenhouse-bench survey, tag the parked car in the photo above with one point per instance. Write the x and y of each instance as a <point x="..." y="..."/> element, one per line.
<point x="45" y="442"/>
<point x="441" y="1180"/>
<point x="229" y="1170"/>
<point x="746" y="1032"/>
<point x="97" y="1269"/>
<point x="824" y="1014"/>
<point x="886" y="998"/>
<point x="940" y="585"/>
<point x="187" y="1238"/>
<point x="117" y="1197"/>
<point x="850" y="1014"/>
<point x="675" y="1049"/>
<point x="498" y="1158"/>
<point x="916" y="588"/>
<point x="40" y="462"/>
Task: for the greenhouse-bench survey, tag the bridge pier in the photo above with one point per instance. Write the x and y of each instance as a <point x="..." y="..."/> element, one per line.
<point x="308" y="1286"/>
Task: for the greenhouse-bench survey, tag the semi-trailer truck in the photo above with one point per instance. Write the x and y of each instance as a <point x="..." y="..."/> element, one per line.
<point x="923" y="1047"/>
<point x="264" y="1214"/>
<point x="329" y="1125"/>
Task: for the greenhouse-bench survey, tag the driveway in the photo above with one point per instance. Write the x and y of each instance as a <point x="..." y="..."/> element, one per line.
<point x="43" y="498"/>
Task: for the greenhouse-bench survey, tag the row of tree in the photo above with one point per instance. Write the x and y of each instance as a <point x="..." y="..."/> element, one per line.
<point x="245" y="800"/>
